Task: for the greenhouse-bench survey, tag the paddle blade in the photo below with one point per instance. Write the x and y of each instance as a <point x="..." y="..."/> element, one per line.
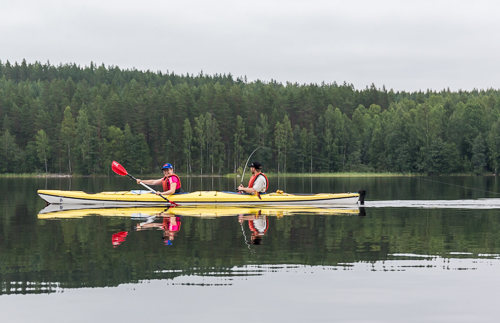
<point x="117" y="168"/>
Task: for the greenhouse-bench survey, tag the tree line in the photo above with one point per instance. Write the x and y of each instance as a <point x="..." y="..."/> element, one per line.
<point x="74" y="119"/>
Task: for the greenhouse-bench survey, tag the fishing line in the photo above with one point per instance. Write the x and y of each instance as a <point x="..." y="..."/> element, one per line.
<point x="461" y="186"/>
<point x="245" y="237"/>
<point x="418" y="177"/>
<point x="299" y="154"/>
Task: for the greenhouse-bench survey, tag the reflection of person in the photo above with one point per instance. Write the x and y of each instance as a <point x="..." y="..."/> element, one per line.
<point x="170" y="182"/>
<point x="258" y="225"/>
<point x="258" y="182"/>
<point x="171" y="225"/>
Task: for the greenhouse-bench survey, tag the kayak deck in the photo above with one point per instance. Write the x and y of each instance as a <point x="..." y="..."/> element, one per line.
<point x="145" y="198"/>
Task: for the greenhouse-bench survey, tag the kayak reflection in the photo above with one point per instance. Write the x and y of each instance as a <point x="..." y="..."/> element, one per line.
<point x="168" y="220"/>
<point x="76" y="211"/>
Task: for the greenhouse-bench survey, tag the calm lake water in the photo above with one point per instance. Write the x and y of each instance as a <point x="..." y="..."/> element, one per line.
<point x="424" y="249"/>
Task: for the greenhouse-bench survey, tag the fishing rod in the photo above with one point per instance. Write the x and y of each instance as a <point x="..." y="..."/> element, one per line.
<point x="244" y="169"/>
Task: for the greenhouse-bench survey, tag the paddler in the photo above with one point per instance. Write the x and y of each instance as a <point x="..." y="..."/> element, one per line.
<point x="170" y="182"/>
<point x="258" y="183"/>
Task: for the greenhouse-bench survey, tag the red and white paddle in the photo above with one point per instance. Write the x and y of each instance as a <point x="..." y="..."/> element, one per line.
<point x="120" y="170"/>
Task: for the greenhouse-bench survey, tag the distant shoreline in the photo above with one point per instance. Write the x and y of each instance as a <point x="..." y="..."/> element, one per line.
<point x="55" y="175"/>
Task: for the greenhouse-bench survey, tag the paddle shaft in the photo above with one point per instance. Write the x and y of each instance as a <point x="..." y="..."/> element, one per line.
<point x="149" y="188"/>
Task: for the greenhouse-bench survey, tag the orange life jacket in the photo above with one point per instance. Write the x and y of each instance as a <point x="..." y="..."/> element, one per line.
<point x="166" y="183"/>
<point x="254" y="177"/>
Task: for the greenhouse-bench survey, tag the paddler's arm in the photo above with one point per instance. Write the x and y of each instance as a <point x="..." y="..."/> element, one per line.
<point x="242" y="218"/>
<point x="150" y="181"/>
<point x="249" y="190"/>
<point x="143" y="226"/>
<point x="173" y="187"/>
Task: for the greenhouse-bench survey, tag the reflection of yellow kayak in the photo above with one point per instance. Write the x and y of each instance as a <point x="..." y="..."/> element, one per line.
<point x="58" y="211"/>
<point x="144" y="198"/>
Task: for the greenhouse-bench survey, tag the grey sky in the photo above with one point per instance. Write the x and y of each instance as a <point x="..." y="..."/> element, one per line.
<point x="404" y="45"/>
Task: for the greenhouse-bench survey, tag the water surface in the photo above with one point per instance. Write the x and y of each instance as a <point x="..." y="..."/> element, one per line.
<point x="423" y="249"/>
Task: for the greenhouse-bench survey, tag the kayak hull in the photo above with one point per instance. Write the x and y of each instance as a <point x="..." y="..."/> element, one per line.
<point x="143" y="198"/>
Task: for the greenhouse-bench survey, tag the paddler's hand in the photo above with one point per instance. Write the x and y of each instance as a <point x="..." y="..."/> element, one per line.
<point x="241" y="187"/>
<point x="158" y="193"/>
<point x="138" y="181"/>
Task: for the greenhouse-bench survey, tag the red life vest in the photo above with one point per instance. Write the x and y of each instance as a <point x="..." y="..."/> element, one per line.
<point x="254" y="177"/>
<point x="166" y="183"/>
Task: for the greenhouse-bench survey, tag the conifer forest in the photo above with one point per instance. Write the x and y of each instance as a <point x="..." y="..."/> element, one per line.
<point x="71" y="119"/>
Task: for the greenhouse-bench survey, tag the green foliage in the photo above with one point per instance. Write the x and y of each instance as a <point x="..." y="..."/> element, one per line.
<point x="239" y="144"/>
<point x="479" y="159"/>
<point x="440" y="157"/>
<point x="201" y="138"/>
<point x="42" y="147"/>
<point x="11" y="155"/>
<point x="84" y="147"/>
<point x="114" y="146"/>
<point x="211" y="123"/>
<point x="494" y="146"/>
<point x="68" y="127"/>
<point x="187" y="140"/>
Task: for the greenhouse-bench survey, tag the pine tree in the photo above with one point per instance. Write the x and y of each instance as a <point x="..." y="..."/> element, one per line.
<point x="114" y="146"/>
<point x="43" y="147"/>
<point x="10" y="153"/>
<point x="239" y="142"/>
<point x="68" y="135"/>
<point x="84" y="136"/>
<point x="199" y="130"/>
<point x="478" y="159"/>
<point x="187" y="140"/>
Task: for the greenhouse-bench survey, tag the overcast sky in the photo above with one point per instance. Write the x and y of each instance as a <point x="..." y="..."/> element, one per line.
<point x="404" y="45"/>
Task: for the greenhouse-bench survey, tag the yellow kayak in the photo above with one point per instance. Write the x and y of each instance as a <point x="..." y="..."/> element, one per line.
<point x="211" y="211"/>
<point x="145" y="198"/>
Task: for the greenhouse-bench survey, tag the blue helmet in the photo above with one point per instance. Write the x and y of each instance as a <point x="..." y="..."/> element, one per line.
<point x="166" y="166"/>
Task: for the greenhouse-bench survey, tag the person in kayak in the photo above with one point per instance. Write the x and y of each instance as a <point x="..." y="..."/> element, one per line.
<point x="170" y="182"/>
<point x="258" y="183"/>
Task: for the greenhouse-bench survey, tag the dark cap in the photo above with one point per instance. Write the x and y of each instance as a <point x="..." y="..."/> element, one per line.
<point x="256" y="164"/>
